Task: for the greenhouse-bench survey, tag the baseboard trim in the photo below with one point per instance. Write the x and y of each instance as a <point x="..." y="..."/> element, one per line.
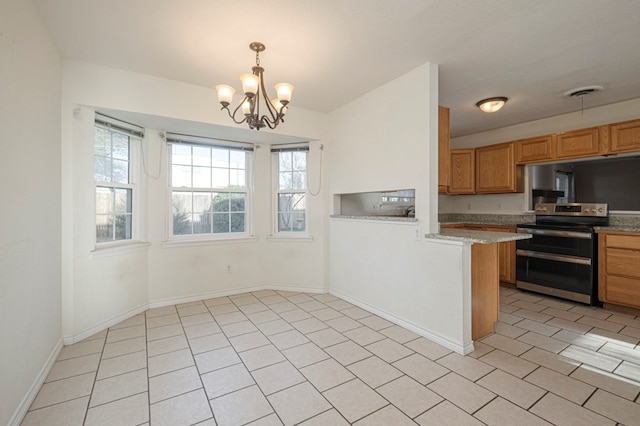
<point x="454" y="346"/>
<point x="70" y="340"/>
<point x="160" y="303"/>
<point x="26" y="402"/>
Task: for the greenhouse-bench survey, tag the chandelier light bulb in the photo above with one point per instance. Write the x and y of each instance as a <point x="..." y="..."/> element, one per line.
<point x="250" y="84"/>
<point x="279" y="107"/>
<point x="246" y="107"/>
<point x="225" y="94"/>
<point x="284" y="91"/>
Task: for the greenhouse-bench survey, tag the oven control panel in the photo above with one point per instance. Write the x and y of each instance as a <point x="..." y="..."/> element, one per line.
<point x="572" y="209"/>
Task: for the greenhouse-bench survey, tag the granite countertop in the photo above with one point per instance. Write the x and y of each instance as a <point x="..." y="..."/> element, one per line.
<point x="380" y="218"/>
<point x="618" y="228"/>
<point x="476" y="237"/>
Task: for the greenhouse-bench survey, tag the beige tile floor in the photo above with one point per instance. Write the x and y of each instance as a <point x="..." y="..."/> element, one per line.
<point x="273" y="358"/>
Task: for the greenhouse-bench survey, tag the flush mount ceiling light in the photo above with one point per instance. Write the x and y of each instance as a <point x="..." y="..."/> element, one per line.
<point x="491" y="104"/>
<point x="253" y="88"/>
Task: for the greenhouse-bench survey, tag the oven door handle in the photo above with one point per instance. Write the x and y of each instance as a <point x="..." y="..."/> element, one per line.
<point x="551" y="256"/>
<point x="555" y="233"/>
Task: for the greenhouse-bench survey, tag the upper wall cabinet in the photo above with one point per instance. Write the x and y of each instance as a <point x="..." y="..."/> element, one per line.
<point x="443" y="150"/>
<point x="624" y="137"/>
<point x="533" y="150"/>
<point x="581" y="143"/>
<point x="496" y="170"/>
<point x="462" y="172"/>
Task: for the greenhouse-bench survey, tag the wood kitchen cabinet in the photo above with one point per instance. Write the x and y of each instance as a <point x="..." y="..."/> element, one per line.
<point x="462" y="173"/>
<point x="624" y="137"/>
<point x="619" y="268"/>
<point x="581" y="143"/>
<point x="506" y="255"/>
<point x="533" y="150"/>
<point x="444" y="149"/>
<point x="485" y="292"/>
<point x="496" y="169"/>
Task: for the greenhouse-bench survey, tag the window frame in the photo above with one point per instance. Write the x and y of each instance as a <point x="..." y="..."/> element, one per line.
<point x="192" y="141"/>
<point x="135" y="140"/>
<point x="276" y="191"/>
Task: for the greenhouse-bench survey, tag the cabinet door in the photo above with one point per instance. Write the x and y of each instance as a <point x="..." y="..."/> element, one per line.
<point x="619" y="269"/>
<point x="534" y="149"/>
<point x="443" y="149"/>
<point x="624" y="137"/>
<point x="581" y="143"/>
<point x="462" y="172"/>
<point x="506" y="255"/>
<point x="496" y="170"/>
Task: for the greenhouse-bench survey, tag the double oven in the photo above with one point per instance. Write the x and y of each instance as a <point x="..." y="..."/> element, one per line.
<point x="561" y="257"/>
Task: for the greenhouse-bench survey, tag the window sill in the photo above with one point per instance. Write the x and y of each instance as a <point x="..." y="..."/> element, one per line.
<point x="290" y="238"/>
<point x="118" y="249"/>
<point x="191" y="242"/>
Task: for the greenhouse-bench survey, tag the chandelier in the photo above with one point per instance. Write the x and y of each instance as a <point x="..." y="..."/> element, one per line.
<point x="253" y="88"/>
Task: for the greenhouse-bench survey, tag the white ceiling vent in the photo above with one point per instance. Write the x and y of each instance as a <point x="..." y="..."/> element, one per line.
<point x="582" y="91"/>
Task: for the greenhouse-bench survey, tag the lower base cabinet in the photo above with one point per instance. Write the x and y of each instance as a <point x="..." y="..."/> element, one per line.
<point x="619" y="268"/>
<point x="485" y="292"/>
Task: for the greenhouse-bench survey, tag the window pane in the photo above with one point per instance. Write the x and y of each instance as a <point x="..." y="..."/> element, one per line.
<point x="181" y="154"/>
<point x="202" y="223"/>
<point x="220" y="157"/>
<point x="202" y="177"/>
<point x="291" y="212"/>
<point x="220" y="178"/>
<point x="221" y="202"/>
<point x="237" y="202"/>
<point x="104" y="228"/>
<point x="237" y="178"/>
<point x="120" y="144"/>
<point x="102" y="169"/>
<point x="102" y="142"/>
<point x="120" y="171"/>
<point x="181" y="176"/>
<point x="123" y="227"/>
<point x="285" y="180"/>
<point x="202" y="202"/>
<point x="237" y="222"/>
<point x="201" y="156"/>
<point x="182" y="202"/>
<point x="220" y="223"/>
<point x="238" y="159"/>
<point x="104" y="200"/>
<point x="284" y="161"/>
<point x="123" y="200"/>
<point x="299" y="161"/>
<point x="298" y="180"/>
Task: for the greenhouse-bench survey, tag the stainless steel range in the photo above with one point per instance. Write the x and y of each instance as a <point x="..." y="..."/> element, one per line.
<point x="560" y="259"/>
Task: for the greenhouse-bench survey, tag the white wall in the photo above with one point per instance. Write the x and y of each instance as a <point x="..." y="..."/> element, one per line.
<point x="376" y="145"/>
<point x="99" y="289"/>
<point x="517" y="203"/>
<point x="30" y="327"/>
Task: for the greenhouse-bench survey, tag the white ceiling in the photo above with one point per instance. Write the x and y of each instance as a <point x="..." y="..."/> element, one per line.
<point x="336" y="50"/>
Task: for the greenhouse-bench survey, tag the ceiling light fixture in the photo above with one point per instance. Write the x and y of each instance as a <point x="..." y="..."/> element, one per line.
<point x="253" y="88"/>
<point x="492" y="104"/>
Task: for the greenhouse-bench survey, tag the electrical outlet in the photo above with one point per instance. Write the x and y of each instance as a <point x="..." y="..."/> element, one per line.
<point x="228" y="269"/>
<point x="418" y="234"/>
<point x="499" y="206"/>
<point x="468" y="206"/>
